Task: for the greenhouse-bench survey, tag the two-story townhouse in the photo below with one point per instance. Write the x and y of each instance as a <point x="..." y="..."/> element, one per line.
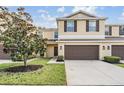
<point x="83" y="36"/>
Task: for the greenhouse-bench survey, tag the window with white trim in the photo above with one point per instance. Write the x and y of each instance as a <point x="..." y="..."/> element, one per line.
<point x="55" y="35"/>
<point x="121" y="28"/>
<point x="70" y="26"/>
<point x="92" y="25"/>
<point x="107" y="31"/>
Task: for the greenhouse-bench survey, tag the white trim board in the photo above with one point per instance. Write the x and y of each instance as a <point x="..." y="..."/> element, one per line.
<point x="91" y="41"/>
<point x="81" y="37"/>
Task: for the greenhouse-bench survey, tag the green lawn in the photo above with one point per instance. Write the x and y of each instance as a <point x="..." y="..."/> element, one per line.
<point x="50" y="74"/>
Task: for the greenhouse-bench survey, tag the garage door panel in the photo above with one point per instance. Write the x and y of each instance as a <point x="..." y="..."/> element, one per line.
<point x="118" y="50"/>
<point x="81" y="52"/>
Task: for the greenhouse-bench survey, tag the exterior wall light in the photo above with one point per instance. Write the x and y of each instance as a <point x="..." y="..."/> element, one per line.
<point x="108" y="47"/>
<point x="60" y="47"/>
<point x="103" y="47"/>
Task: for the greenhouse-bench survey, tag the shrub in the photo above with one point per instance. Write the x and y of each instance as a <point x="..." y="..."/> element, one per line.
<point x="60" y="58"/>
<point x="112" y="59"/>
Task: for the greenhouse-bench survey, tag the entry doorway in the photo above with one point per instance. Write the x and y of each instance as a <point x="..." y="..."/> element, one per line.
<point x="55" y="51"/>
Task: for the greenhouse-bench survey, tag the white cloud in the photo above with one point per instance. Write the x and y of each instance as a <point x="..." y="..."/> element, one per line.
<point x="42" y="11"/>
<point x="90" y="9"/>
<point x="61" y="9"/>
<point x="37" y="23"/>
<point x="121" y="17"/>
<point x="122" y="14"/>
<point x="47" y="17"/>
<point x="65" y="14"/>
<point x="47" y="21"/>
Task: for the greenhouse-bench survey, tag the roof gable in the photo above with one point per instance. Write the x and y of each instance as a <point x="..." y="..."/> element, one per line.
<point x="80" y="14"/>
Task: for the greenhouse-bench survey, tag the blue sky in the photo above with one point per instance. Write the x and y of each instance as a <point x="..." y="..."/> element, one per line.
<point x="45" y="16"/>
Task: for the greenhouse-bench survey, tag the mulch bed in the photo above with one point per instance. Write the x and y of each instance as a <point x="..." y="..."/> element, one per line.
<point x="28" y="68"/>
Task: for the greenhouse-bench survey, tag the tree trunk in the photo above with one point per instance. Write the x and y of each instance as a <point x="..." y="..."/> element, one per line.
<point x="25" y="60"/>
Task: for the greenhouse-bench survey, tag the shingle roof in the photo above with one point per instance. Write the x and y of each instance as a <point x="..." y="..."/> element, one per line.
<point x="49" y="29"/>
<point x="114" y="25"/>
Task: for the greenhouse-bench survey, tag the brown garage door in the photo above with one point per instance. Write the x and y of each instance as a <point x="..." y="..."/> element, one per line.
<point x="118" y="50"/>
<point x="81" y="52"/>
<point x="2" y="54"/>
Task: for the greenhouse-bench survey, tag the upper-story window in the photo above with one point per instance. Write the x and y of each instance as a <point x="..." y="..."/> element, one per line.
<point x="108" y="30"/>
<point x="121" y="30"/>
<point x="92" y="26"/>
<point x="70" y="26"/>
<point x="55" y="35"/>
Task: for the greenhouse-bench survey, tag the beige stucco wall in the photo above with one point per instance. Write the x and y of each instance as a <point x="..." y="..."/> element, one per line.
<point x="115" y="31"/>
<point x="51" y="42"/>
<point x="50" y="50"/>
<point x="81" y="28"/>
<point x="102" y="52"/>
<point x="48" y="34"/>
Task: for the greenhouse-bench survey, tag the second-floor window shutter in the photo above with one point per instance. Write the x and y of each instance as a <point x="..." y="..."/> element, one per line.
<point x="87" y="25"/>
<point x="75" y="26"/>
<point x="119" y="29"/>
<point x="97" y="25"/>
<point x="65" y="26"/>
<point x="110" y="30"/>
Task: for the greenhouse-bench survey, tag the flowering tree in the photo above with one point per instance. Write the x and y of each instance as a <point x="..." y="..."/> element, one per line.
<point x="20" y="35"/>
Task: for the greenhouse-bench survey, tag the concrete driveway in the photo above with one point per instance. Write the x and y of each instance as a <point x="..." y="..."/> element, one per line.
<point x="93" y="72"/>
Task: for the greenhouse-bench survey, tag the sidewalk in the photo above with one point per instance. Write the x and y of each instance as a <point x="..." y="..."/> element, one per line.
<point x="53" y="61"/>
<point x="10" y="61"/>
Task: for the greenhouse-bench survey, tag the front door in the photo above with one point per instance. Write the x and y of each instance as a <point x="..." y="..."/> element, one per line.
<point x="55" y="51"/>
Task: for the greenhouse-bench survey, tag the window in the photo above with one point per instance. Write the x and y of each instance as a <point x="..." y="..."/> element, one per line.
<point x="121" y="28"/>
<point x="70" y="26"/>
<point x="92" y="26"/>
<point x="55" y="35"/>
<point x="108" y="30"/>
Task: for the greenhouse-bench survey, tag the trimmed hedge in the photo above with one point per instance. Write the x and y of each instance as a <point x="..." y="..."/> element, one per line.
<point x="60" y="59"/>
<point x="112" y="59"/>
